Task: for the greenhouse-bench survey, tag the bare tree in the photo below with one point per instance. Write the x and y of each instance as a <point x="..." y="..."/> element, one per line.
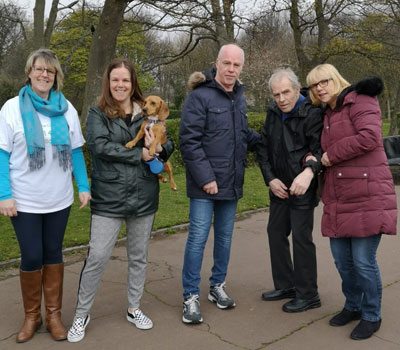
<point x="102" y="49"/>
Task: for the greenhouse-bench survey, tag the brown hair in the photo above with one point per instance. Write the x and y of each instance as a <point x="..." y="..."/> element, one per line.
<point x="51" y="61"/>
<point x="106" y="102"/>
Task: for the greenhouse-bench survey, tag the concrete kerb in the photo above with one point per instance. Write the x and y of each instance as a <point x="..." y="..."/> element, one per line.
<point x="156" y="233"/>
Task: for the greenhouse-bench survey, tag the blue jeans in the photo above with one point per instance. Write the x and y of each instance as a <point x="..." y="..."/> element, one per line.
<point x="201" y="213"/>
<point x="355" y="259"/>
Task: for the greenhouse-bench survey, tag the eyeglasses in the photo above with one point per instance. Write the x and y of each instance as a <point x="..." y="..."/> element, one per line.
<point x="40" y="70"/>
<point x="322" y="83"/>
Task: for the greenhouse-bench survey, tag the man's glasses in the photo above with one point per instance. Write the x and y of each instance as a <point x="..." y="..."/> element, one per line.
<point x="40" y="70"/>
<point x="322" y="83"/>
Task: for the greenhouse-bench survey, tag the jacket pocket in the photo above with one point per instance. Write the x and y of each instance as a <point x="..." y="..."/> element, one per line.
<point x="219" y="119"/>
<point x="221" y="171"/>
<point x="352" y="183"/>
<point x="106" y="176"/>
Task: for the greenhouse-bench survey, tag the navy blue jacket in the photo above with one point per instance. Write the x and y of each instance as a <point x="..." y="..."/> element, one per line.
<point x="214" y="137"/>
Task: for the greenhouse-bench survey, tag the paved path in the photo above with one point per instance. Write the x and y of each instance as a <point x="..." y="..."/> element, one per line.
<point x="253" y="324"/>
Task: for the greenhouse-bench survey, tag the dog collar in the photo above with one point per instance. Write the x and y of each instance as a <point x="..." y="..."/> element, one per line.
<point x="153" y="119"/>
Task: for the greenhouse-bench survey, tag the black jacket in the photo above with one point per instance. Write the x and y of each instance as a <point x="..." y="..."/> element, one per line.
<point x="214" y="137"/>
<point x="122" y="184"/>
<point x="285" y="145"/>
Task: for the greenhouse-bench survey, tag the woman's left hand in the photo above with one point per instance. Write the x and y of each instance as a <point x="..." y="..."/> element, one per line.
<point x="325" y="160"/>
<point x="149" y="138"/>
<point x="84" y="197"/>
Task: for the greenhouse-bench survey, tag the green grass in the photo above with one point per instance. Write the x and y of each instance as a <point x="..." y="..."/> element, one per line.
<point x="173" y="209"/>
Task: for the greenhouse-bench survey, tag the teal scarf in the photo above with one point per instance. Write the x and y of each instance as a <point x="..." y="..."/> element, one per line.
<point x="55" y="108"/>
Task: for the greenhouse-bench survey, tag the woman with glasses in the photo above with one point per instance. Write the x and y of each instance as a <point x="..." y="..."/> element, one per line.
<point x="358" y="194"/>
<point x="40" y="148"/>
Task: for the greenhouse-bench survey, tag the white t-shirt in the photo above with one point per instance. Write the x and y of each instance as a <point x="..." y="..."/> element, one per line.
<point x="49" y="188"/>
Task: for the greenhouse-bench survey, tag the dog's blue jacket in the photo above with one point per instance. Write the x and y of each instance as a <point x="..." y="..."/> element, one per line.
<point x="214" y="137"/>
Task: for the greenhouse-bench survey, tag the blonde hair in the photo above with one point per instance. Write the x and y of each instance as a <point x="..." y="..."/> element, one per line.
<point x="51" y="61"/>
<point x="326" y="71"/>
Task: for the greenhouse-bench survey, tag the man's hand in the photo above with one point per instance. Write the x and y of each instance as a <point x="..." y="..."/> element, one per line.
<point x="301" y="183"/>
<point x="278" y="188"/>
<point x="325" y="160"/>
<point x="8" y="207"/>
<point x="211" y="188"/>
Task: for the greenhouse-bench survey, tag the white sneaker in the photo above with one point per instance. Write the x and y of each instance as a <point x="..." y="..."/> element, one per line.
<point x="77" y="331"/>
<point x="139" y="319"/>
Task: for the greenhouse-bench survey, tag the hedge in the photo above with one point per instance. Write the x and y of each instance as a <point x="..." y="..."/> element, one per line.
<point x="256" y="121"/>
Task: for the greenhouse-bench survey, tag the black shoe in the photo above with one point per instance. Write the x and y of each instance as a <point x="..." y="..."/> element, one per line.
<point x="365" y="329"/>
<point x="279" y="294"/>
<point x="344" y="317"/>
<point x="298" y="305"/>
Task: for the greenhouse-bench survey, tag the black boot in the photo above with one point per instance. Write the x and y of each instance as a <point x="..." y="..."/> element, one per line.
<point x="344" y="317"/>
<point x="365" y="329"/>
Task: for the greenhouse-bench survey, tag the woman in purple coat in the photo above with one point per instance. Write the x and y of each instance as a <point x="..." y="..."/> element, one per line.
<point x="358" y="195"/>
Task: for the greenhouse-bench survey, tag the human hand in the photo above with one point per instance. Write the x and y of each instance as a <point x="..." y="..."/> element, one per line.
<point x="149" y="138"/>
<point x="310" y="157"/>
<point x="8" y="207"/>
<point x="211" y="188"/>
<point x="325" y="160"/>
<point x="146" y="155"/>
<point x="301" y="182"/>
<point x="278" y="188"/>
<point x="84" y="197"/>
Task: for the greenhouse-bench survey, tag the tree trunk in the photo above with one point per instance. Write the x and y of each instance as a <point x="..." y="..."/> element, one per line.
<point x="102" y="50"/>
<point x="304" y="61"/>
<point x="38" y="24"/>
<point x="50" y="22"/>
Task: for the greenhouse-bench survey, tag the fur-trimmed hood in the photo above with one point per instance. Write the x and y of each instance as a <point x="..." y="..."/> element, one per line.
<point x="198" y="78"/>
<point x="370" y="86"/>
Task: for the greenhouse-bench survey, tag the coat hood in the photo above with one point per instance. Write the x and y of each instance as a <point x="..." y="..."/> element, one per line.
<point x="370" y="86"/>
<point x="198" y="78"/>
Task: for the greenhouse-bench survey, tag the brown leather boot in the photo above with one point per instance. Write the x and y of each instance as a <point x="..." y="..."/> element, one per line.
<point x="31" y="288"/>
<point x="53" y="276"/>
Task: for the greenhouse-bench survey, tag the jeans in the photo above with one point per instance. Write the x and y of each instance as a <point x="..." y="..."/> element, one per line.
<point x="201" y="213"/>
<point x="355" y="259"/>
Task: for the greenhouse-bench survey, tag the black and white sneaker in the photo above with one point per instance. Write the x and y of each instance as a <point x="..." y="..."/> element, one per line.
<point x="191" y="310"/>
<point x="139" y="319"/>
<point x="218" y="295"/>
<point x="77" y="331"/>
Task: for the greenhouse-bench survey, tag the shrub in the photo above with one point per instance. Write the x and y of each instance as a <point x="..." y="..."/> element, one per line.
<point x="174" y="114"/>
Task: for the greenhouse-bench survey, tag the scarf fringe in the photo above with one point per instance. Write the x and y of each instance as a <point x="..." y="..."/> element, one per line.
<point x="64" y="155"/>
<point x="36" y="159"/>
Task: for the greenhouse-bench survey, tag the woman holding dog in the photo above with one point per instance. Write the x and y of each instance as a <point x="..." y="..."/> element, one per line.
<point x="358" y="194"/>
<point x="40" y="147"/>
<point x="123" y="189"/>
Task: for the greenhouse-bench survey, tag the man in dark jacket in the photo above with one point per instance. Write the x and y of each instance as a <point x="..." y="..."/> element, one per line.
<point x="289" y="160"/>
<point x="214" y="137"/>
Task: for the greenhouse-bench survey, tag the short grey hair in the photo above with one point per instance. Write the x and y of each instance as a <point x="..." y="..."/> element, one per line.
<point x="281" y="73"/>
<point x="231" y="44"/>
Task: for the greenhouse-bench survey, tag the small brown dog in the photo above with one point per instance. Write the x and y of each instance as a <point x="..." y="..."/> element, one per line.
<point x="156" y="111"/>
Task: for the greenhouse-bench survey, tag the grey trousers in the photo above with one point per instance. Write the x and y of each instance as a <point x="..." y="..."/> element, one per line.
<point x="104" y="232"/>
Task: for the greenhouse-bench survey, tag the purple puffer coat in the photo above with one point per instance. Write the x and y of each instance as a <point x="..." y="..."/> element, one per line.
<point x="359" y="197"/>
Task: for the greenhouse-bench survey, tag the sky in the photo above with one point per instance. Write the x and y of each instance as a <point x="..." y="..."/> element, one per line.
<point x="28" y="5"/>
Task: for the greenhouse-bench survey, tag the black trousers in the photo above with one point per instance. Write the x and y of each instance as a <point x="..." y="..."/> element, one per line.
<point x="40" y="238"/>
<point x="301" y="273"/>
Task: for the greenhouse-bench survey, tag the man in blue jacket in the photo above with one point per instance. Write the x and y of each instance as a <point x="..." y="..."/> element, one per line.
<point x="214" y="138"/>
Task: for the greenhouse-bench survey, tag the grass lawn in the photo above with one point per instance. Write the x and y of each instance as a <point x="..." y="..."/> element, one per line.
<point x="173" y="209"/>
